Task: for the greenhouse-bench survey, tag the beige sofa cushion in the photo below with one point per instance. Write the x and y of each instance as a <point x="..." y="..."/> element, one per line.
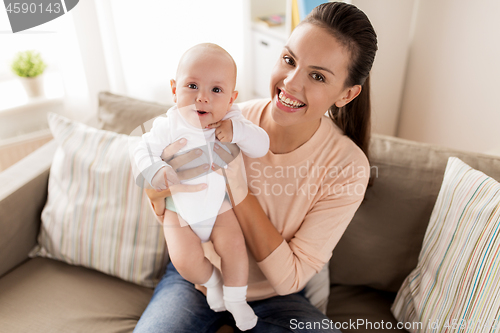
<point x="123" y="114"/>
<point x="381" y="245"/>
<point x="46" y="296"/>
<point x="95" y="215"/>
<point x="455" y="283"/>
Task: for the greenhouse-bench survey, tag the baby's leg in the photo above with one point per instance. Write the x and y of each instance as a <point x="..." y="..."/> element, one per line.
<point x="229" y="244"/>
<point x="185" y="251"/>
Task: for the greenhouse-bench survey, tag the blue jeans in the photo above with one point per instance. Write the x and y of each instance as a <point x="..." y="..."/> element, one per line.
<point x="177" y="307"/>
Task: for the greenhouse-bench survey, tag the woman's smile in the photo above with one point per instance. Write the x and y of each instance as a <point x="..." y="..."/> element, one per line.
<point x="287" y="102"/>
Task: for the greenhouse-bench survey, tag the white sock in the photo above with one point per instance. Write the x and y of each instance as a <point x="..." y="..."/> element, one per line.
<point x="214" y="291"/>
<point x="235" y="299"/>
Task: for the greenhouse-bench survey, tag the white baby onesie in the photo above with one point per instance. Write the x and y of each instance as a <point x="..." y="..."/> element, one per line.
<point x="195" y="207"/>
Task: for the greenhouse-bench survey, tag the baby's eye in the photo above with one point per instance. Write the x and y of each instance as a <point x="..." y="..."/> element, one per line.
<point x="318" y="77"/>
<point x="192" y="86"/>
<point x="289" y="60"/>
<point x="217" y="90"/>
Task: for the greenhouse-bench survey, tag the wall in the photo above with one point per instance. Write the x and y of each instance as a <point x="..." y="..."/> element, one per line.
<point x="450" y="95"/>
<point x="392" y="21"/>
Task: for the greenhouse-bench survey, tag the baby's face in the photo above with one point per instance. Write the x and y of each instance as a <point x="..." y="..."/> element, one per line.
<point x="204" y="89"/>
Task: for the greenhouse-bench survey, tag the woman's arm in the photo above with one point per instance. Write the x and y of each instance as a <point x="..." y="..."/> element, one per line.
<point x="289" y="265"/>
<point x="261" y="236"/>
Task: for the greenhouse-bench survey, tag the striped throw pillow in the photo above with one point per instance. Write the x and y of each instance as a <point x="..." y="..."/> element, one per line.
<point x="456" y="284"/>
<point x="95" y="215"/>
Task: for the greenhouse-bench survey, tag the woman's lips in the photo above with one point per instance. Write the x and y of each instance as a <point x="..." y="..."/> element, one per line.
<point x="287" y="102"/>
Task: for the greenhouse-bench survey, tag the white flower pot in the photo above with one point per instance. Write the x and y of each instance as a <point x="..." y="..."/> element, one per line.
<point x="33" y="85"/>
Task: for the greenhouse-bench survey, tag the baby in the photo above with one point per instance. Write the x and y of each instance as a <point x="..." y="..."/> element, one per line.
<point x="204" y="93"/>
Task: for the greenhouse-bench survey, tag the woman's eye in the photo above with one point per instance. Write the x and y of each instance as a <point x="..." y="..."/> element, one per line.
<point x="192" y="86"/>
<point x="318" y="77"/>
<point x="217" y="90"/>
<point x="289" y="60"/>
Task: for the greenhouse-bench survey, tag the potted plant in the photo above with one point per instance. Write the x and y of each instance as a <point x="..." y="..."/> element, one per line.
<point x="29" y="66"/>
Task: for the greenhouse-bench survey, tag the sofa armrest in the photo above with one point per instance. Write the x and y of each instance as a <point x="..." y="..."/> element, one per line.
<point x="23" y="193"/>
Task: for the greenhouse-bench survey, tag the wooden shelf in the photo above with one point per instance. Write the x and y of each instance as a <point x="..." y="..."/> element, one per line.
<point x="277" y="31"/>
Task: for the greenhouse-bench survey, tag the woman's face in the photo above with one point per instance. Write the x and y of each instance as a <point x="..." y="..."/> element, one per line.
<point x="309" y="77"/>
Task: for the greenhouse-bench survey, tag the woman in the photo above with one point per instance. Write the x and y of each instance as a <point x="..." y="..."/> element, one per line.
<point x="304" y="192"/>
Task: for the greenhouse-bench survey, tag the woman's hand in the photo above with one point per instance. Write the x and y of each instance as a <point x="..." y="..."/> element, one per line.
<point x="164" y="178"/>
<point x="234" y="173"/>
<point x="157" y="198"/>
<point x="179" y="161"/>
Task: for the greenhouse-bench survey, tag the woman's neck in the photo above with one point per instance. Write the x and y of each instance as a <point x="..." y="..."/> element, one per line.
<point x="285" y="139"/>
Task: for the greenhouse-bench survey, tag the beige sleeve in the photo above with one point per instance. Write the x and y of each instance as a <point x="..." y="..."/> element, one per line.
<point x="292" y="264"/>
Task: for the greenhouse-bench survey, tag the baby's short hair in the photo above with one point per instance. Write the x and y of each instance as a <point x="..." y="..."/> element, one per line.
<point x="214" y="47"/>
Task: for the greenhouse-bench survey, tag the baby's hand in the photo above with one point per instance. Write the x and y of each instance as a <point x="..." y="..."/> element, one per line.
<point x="223" y="130"/>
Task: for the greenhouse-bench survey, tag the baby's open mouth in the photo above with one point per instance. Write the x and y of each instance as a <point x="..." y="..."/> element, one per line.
<point x="201" y="112"/>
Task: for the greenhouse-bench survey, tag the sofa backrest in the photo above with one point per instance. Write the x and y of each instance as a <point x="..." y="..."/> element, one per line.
<point x="122" y="114"/>
<point x="381" y="245"/>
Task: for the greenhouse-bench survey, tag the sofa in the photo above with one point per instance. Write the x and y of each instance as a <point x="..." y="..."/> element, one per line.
<point x="377" y="251"/>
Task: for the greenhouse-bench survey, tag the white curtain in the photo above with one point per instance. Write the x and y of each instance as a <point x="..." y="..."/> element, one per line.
<point x="131" y="47"/>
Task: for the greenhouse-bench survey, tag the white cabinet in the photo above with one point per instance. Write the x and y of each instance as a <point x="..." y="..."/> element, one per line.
<point x="266" y="51"/>
<point x="265" y="43"/>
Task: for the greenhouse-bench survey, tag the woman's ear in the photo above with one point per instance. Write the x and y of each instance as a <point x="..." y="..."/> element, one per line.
<point x="174" y="89"/>
<point x="349" y="94"/>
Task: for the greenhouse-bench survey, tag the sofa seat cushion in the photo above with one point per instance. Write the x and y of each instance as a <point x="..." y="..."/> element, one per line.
<point x="348" y="305"/>
<point x="44" y="295"/>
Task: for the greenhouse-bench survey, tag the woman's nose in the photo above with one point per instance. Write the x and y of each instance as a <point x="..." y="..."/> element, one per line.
<point x="293" y="81"/>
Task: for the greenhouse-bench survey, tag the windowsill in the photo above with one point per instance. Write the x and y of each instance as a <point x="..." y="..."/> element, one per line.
<point x="21" y="115"/>
<point x="32" y="103"/>
<point x="26" y="137"/>
<point x="15" y="98"/>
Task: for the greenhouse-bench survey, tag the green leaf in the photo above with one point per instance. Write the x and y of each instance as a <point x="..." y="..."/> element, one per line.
<point x="28" y="64"/>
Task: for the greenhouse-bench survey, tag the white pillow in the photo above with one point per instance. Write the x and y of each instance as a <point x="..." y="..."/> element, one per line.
<point x="95" y="215"/>
<point x="456" y="284"/>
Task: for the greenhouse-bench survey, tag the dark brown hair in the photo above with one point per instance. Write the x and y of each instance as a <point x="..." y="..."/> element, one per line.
<point x="351" y="27"/>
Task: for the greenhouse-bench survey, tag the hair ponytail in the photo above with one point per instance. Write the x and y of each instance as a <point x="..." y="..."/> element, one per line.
<point x="355" y="118"/>
<point x="353" y="30"/>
